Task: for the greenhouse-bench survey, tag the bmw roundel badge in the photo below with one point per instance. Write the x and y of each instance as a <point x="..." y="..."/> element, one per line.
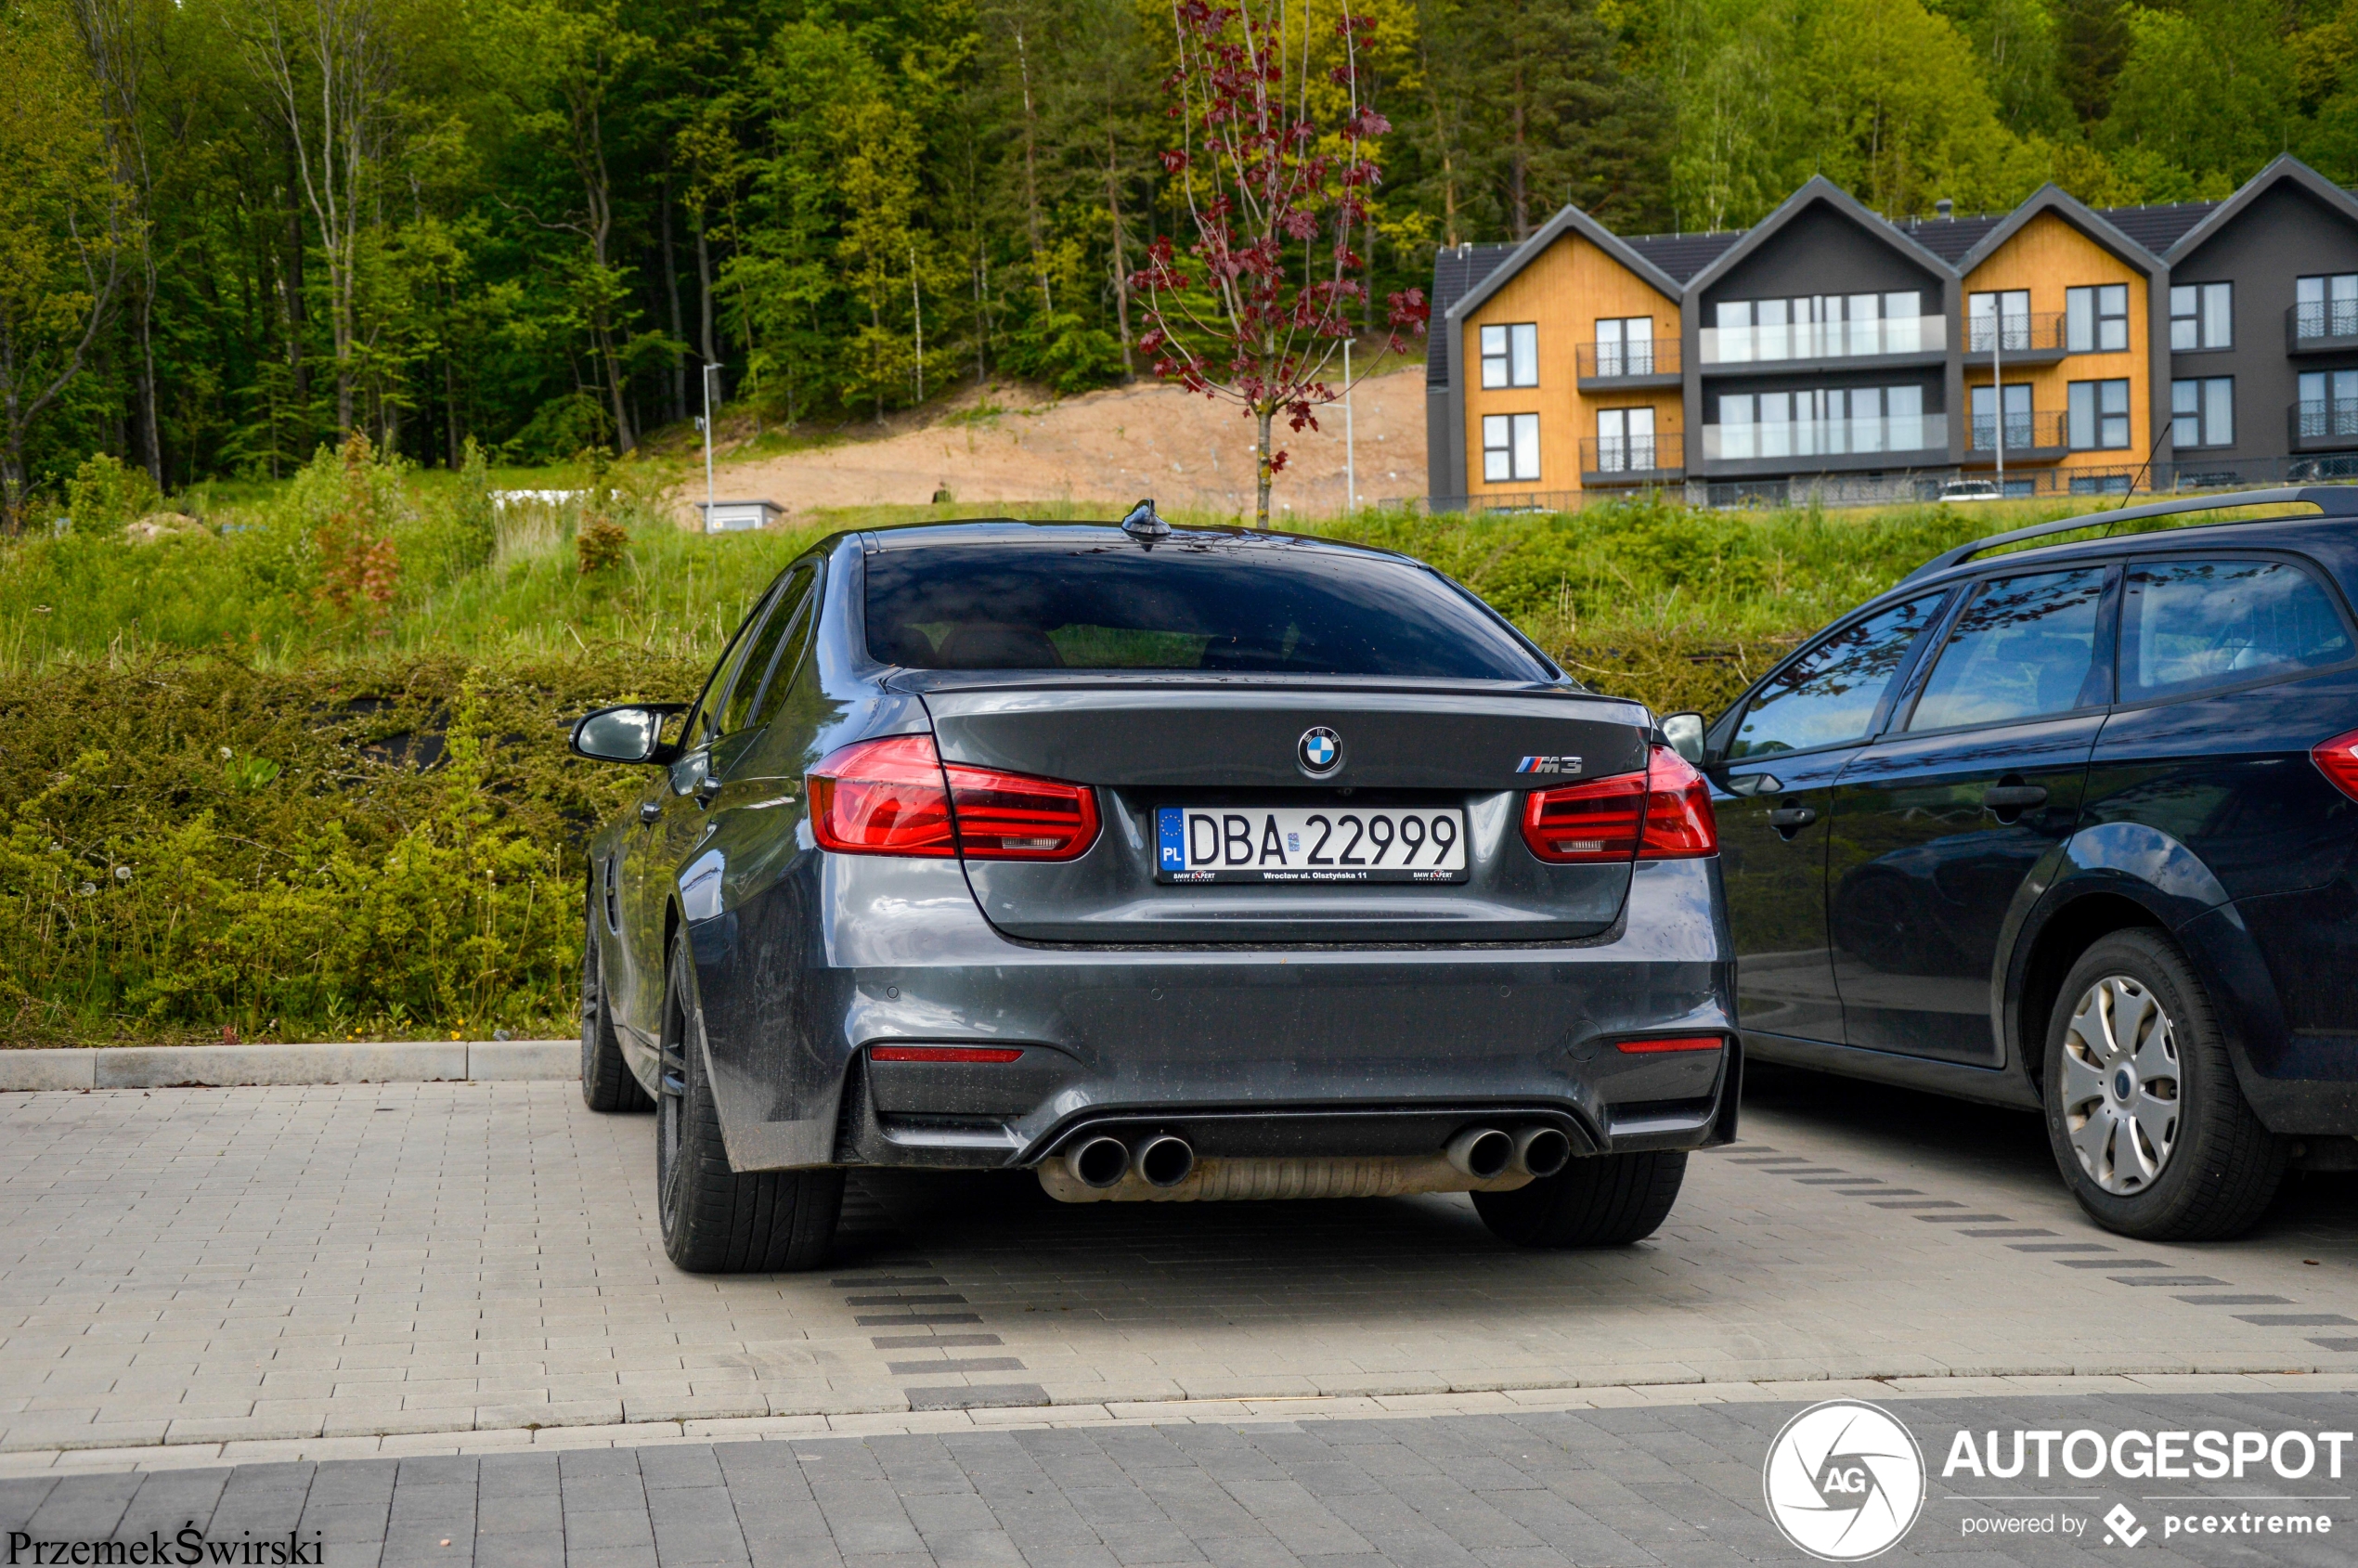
<point x="1320" y="751"/>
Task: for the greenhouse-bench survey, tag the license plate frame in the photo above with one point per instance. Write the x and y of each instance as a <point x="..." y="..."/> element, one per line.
<point x="1302" y="857"/>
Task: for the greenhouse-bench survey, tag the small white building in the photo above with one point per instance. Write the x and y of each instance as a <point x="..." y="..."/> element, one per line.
<point x="731" y="517"/>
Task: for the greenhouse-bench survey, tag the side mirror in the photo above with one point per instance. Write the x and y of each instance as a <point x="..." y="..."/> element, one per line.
<point x="623" y="734"/>
<point x="1684" y="731"/>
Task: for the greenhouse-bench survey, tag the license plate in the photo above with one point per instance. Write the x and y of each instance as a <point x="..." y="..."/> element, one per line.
<point x="1325" y="844"/>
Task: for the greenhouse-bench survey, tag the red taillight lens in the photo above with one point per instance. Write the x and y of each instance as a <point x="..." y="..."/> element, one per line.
<point x="2338" y="759"/>
<point x="1679" y="824"/>
<point x="1662" y="815"/>
<point x="882" y="798"/>
<point x="1017" y="817"/>
<point x="992" y="1054"/>
<point x="1595" y="820"/>
<point x="894" y="796"/>
<point x="1678" y="1042"/>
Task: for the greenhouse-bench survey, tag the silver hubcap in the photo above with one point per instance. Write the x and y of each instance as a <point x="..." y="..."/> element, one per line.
<point x="2120" y="1094"/>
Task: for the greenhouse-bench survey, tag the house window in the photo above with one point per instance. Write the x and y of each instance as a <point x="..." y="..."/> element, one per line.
<point x="2202" y="413"/>
<point x="1625" y="440"/>
<point x="1823" y="422"/>
<point x="2202" y="316"/>
<point x="1511" y="355"/>
<point x="1510" y="447"/>
<point x="1998" y="320"/>
<point x="1819" y="326"/>
<point x="2328" y="404"/>
<point x="2098" y="415"/>
<point x="2326" y="306"/>
<point x="2020" y="428"/>
<point x="2097" y="318"/>
<point x="1626" y="346"/>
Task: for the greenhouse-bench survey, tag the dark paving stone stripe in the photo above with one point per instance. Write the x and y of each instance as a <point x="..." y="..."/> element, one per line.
<point x="904" y="1301"/>
<point x="885" y="1281"/>
<point x="922" y="1341"/>
<point x="911" y="1319"/>
<point x="1921" y="1203"/>
<point x="2335" y="1344"/>
<point x="2020" y="1230"/>
<point x="2298" y="1320"/>
<point x="2174" y="1279"/>
<point x="2061" y="1247"/>
<point x="2237" y="1301"/>
<point x="2110" y="1263"/>
<point x="972" y="1364"/>
<point x="1962" y="1219"/>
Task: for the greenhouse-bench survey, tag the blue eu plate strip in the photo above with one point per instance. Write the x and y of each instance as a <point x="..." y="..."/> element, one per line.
<point x="1171" y="829"/>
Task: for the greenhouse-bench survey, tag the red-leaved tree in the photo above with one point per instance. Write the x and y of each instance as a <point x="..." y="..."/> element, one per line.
<point x="1260" y="317"/>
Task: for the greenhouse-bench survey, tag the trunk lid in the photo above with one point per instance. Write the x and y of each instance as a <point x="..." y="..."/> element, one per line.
<point x="1146" y="742"/>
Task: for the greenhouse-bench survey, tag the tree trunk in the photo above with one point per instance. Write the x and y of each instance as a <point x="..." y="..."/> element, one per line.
<point x="1030" y="173"/>
<point x="1261" y="504"/>
<point x="296" y="366"/>
<point x="704" y="295"/>
<point x="1120" y="267"/>
<point x="679" y="334"/>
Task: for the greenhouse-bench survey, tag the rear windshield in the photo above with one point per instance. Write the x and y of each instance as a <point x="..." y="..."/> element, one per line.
<point x="1254" y="608"/>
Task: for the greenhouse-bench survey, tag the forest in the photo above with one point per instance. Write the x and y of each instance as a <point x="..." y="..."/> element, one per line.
<point x="233" y="232"/>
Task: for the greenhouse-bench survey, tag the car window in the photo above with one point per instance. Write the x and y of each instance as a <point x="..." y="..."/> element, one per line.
<point x="761" y="651"/>
<point x="702" y="723"/>
<point x="2187" y="626"/>
<point x="793" y="662"/>
<point x="1193" y="603"/>
<point x="1829" y="694"/>
<point x="2025" y="647"/>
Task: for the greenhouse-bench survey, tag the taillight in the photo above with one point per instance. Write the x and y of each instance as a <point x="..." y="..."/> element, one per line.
<point x="1595" y="820"/>
<point x="1661" y="814"/>
<point x="2338" y="759"/>
<point x="960" y="1053"/>
<point x="895" y="796"/>
<point x="1679" y="824"/>
<point x="1660" y="1043"/>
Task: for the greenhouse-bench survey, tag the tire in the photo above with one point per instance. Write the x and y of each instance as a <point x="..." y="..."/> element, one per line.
<point x="716" y="1219"/>
<point x="2170" y="1152"/>
<point x="1604" y="1201"/>
<point x="606" y="1080"/>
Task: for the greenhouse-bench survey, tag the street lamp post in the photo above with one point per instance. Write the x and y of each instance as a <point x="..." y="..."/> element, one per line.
<point x="709" y="372"/>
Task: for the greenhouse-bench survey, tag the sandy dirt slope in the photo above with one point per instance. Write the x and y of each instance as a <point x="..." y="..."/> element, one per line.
<point x="1113" y="447"/>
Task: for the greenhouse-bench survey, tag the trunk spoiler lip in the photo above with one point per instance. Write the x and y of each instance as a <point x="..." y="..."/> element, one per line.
<point x="924" y="682"/>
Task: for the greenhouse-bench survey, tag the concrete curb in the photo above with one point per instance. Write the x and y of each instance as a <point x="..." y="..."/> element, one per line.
<point x="406" y="1061"/>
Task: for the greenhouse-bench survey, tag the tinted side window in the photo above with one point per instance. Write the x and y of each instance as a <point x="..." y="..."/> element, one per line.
<point x="2187" y="626"/>
<point x="793" y="664"/>
<point x="762" y="650"/>
<point x="2025" y="647"/>
<point x="701" y="724"/>
<point x="1829" y="694"/>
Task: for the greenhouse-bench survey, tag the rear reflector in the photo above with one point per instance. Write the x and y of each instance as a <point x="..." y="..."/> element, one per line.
<point x="894" y="796"/>
<point x="1661" y="814"/>
<point x="942" y="1053"/>
<point x="2338" y="759"/>
<point x="1672" y="1043"/>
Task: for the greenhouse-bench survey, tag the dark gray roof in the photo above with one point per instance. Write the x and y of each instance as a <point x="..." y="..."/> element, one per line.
<point x="1455" y="270"/>
<point x="1683" y="255"/>
<point x="2157" y="228"/>
<point x="1950" y="239"/>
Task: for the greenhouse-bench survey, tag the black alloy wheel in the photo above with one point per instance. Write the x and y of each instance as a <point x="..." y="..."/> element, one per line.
<point x="716" y="1220"/>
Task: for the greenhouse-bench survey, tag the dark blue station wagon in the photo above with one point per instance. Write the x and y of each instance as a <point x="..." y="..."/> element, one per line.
<point x="2075" y="827"/>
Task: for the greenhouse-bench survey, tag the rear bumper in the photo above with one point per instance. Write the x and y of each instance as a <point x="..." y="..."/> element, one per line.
<point x="1301" y="1051"/>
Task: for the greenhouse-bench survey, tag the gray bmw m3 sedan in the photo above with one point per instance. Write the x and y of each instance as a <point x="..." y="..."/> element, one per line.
<point x="1171" y="865"/>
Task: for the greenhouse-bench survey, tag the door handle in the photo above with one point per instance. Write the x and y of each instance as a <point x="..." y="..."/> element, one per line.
<point x="707" y="788"/>
<point x="2013" y="798"/>
<point x="1790" y="820"/>
<point x="651" y="811"/>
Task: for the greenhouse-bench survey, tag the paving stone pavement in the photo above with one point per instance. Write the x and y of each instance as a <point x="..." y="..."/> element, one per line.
<point x="1641" y="1487"/>
<point x="225" y="1270"/>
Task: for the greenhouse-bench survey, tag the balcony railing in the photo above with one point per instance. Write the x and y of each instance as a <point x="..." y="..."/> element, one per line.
<point x="1825" y="340"/>
<point x="1637" y="457"/>
<point x="2040" y="428"/>
<point x="1825" y="438"/>
<point x="2035" y="332"/>
<point x="2327" y="422"/>
<point x="1615" y="361"/>
<point x="2321" y="319"/>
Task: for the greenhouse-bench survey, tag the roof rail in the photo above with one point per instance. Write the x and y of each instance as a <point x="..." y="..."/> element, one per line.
<point x="2332" y="500"/>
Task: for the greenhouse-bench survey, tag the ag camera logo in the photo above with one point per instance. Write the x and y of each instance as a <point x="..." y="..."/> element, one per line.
<point x="1843" y="1480"/>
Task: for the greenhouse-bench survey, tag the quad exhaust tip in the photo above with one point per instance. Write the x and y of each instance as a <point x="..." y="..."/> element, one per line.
<point x="1542" y="1151"/>
<point x="1165" y="1160"/>
<point x="1102" y="1161"/>
<point x="1483" y="1153"/>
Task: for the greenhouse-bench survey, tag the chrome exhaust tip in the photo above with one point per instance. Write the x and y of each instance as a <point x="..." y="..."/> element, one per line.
<point x="1542" y="1151"/>
<point x="1483" y="1153"/>
<point x="1165" y="1160"/>
<point x="1099" y="1162"/>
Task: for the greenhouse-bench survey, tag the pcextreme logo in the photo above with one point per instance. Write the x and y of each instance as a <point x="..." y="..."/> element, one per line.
<point x="1844" y="1480"/>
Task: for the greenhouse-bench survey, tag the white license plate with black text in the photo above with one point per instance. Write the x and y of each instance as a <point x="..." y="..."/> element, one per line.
<point x="1314" y="844"/>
